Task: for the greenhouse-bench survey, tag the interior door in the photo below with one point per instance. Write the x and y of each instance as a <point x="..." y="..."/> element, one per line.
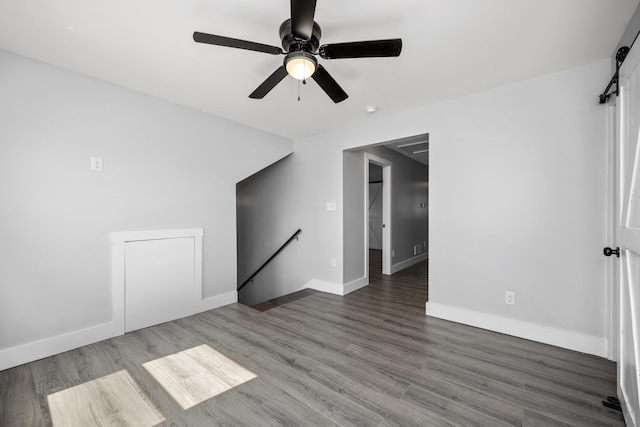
<point x="613" y="212"/>
<point x="629" y="232"/>
<point x="387" y="252"/>
<point x="375" y="215"/>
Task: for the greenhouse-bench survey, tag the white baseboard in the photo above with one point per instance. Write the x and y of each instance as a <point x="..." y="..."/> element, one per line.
<point x="29" y="352"/>
<point x="531" y="331"/>
<point x="355" y="285"/>
<point x="336" y="288"/>
<point x="324" y="286"/>
<point x="40" y="349"/>
<point x="625" y="404"/>
<point x="409" y="262"/>
<point x="218" y="301"/>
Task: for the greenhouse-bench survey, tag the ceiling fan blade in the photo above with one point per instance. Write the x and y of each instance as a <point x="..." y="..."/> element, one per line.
<point x="302" y="13"/>
<point x="269" y="84"/>
<point x="366" y="49"/>
<point x="329" y="85"/>
<point x="238" y="44"/>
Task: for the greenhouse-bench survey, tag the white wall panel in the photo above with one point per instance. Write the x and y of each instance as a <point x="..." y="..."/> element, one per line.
<point x="159" y="281"/>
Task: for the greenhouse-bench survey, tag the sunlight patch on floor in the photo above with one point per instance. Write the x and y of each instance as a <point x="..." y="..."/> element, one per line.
<point x="114" y="399"/>
<point x="197" y="374"/>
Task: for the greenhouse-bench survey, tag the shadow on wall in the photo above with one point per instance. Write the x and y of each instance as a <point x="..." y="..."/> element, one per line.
<point x="265" y="221"/>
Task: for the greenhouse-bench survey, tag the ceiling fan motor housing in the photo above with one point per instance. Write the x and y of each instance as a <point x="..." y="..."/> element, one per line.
<point x="291" y="43"/>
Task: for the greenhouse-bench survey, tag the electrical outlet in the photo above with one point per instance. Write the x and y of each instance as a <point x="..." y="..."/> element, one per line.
<point x="96" y="164"/>
<point x="393" y="253"/>
<point x="333" y="262"/>
<point x="510" y="298"/>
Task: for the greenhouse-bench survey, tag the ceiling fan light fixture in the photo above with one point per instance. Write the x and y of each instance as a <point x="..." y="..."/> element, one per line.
<point x="300" y="65"/>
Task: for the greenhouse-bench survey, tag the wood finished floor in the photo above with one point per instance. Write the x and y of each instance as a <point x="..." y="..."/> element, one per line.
<point x="276" y="302"/>
<point x="112" y="400"/>
<point x="371" y="358"/>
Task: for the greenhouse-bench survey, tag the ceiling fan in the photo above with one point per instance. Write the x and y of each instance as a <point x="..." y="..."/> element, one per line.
<point x="300" y="37"/>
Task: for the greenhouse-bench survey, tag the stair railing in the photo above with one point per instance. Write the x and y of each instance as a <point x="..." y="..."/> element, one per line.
<point x="294" y="236"/>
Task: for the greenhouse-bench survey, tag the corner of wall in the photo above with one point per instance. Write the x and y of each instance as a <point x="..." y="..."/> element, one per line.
<point x="217" y="301"/>
<point x="325" y="286"/>
<point x="354" y="285"/>
<point x="409" y="262"/>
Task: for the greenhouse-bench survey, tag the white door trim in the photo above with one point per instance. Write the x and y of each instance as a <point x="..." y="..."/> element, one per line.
<point x="118" y="242"/>
<point x="612" y="235"/>
<point x="386" y="212"/>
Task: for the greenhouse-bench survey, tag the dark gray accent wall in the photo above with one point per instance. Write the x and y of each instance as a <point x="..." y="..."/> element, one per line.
<point x="265" y="212"/>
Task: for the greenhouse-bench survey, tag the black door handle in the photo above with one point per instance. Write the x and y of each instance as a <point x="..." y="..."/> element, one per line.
<point x="608" y="252"/>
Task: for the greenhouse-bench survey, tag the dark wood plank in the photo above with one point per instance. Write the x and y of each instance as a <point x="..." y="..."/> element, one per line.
<point x="552" y="405"/>
<point x="19" y="402"/>
<point x="393" y="410"/>
<point x="445" y="403"/>
<point x="427" y="385"/>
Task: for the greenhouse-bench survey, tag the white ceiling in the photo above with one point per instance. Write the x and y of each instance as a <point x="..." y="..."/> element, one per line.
<point x="415" y="147"/>
<point x="450" y="48"/>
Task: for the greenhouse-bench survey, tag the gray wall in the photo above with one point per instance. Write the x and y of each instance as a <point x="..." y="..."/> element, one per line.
<point x="408" y="220"/>
<point x="266" y="208"/>
<point x="165" y="167"/>
<point x="353" y="216"/>
<point x="511" y="171"/>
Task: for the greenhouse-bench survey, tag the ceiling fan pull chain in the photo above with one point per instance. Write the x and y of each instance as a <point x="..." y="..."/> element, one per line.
<point x="304" y="80"/>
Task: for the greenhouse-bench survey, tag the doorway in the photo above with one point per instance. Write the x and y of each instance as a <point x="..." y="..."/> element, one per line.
<point x="377" y="210"/>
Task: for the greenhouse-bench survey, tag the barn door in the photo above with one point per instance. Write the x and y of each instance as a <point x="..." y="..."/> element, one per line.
<point x="375" y="215"/>
<point x="629" y="232"/>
